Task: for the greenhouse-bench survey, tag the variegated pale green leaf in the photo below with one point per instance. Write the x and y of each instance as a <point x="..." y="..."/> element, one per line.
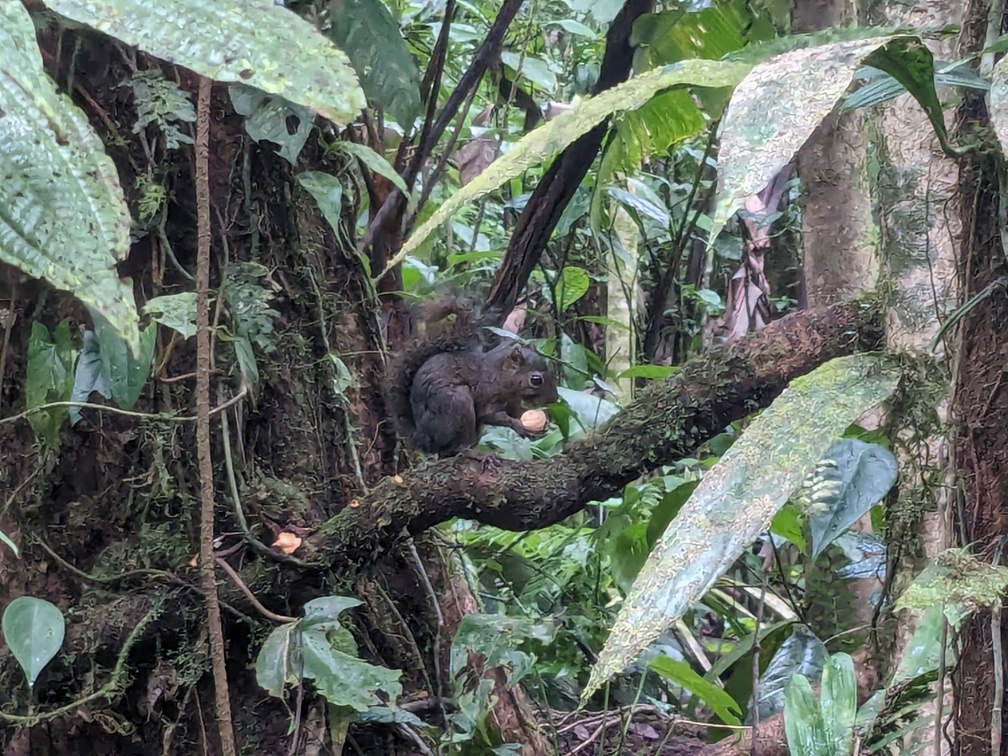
<point x="252" y="42"/>
<point x="999" y="102"/>
<point x="63" y="217"/>
<point x="548" y="140"/>
<point x="774" y="111"/>
<point x="739" y="497"/>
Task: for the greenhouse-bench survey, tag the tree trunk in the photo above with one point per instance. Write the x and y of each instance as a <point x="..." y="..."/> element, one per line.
<point x="920" y="231"/>
<point x="981" y="411"/>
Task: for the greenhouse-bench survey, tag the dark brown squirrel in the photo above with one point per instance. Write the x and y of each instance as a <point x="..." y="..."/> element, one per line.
<point x="443" y="390"/>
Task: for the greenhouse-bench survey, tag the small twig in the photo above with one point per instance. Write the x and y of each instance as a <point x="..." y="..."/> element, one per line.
<point x="222" y="700"/>
<point x="146" y="573"/>
<point x="997" y="652"/>
<point x="236" y="579"/>
<point x="166" y="416"/>
<point x="8" y="324"/>
<point x="432" y="597"/>
<point x="296" y="735"/>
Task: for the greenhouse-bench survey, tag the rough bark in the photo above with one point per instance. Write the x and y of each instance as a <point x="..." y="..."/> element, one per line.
<point x="980" y="411"/>
<point x="666" y="422"/>
<point x="840" y="261"/>
<point x="920" y="231"/>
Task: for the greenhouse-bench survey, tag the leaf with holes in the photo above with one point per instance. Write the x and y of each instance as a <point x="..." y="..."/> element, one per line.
<point x="273" y="119"/>
<point x="63" y="217"/>
<point x="33" y="630"/>
<point x="254" y="42"/>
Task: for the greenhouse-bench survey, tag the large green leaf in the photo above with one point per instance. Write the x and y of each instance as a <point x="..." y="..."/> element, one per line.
<point x="803" y="722"/>
<point x="345" y="680"/>
<point x="548" y="140"/>
<point x="63" y="217"/>
<point x="883" y="87"/>
<point x="739" y="497"/>
<point x="318" y="648"/>
<point x="33" y="630"/>
<point x="908" y="61"/>
<point x="838" y="699"/>
<point x="108" y="366"/>
<point x="682" y="674"/>
<point x="273" y="664"/>
<point x="774" y="111"/>
<point x="670" y="36"/>
<point x="369" y="34"/>
<point x="253" y="42"/>
<point x="655" y="126"/>
<point x="851" y="479"/>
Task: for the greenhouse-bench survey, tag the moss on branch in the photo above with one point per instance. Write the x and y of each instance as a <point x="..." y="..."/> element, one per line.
<point x="667" y="421"/>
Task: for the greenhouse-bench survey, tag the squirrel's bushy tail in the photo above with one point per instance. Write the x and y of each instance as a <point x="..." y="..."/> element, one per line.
<point x="402" y="370"/>
<point x="463" y="335"/>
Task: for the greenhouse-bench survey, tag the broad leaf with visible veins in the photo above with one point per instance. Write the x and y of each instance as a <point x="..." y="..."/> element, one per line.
<point x="253" y="42"/>
<point x="63" y="217"/>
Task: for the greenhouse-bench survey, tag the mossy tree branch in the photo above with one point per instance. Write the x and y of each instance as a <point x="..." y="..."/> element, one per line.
<point x="668" y="421"/>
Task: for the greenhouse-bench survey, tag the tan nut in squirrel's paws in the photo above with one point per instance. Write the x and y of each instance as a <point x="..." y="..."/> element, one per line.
<point x="533" y="420"/>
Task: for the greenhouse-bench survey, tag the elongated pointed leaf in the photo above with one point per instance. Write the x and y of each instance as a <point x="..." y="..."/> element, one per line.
<point x="839" y="703"/>
<point x="548" y="140"/>
<point x="63" y="217"/>
<point x="803" y="723"/>
<point x="682" y="674"/>
<point x="801" y="654"/>
<point x="908" y="61"/>
<point x="252" y="42"/>
<point x="774" y="111"/>
<point x="739" y="497"/>
<point x="6" y="540"/>
<point x="273" y="669"/>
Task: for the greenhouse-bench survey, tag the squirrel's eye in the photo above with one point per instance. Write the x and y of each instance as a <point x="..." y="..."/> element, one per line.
<point x="536" y="379"/>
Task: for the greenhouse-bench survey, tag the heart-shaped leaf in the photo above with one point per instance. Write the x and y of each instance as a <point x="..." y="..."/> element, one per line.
<point x="33" y="630"/>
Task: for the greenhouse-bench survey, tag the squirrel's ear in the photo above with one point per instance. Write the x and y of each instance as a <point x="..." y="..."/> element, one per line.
<point x="518" y="354"/>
